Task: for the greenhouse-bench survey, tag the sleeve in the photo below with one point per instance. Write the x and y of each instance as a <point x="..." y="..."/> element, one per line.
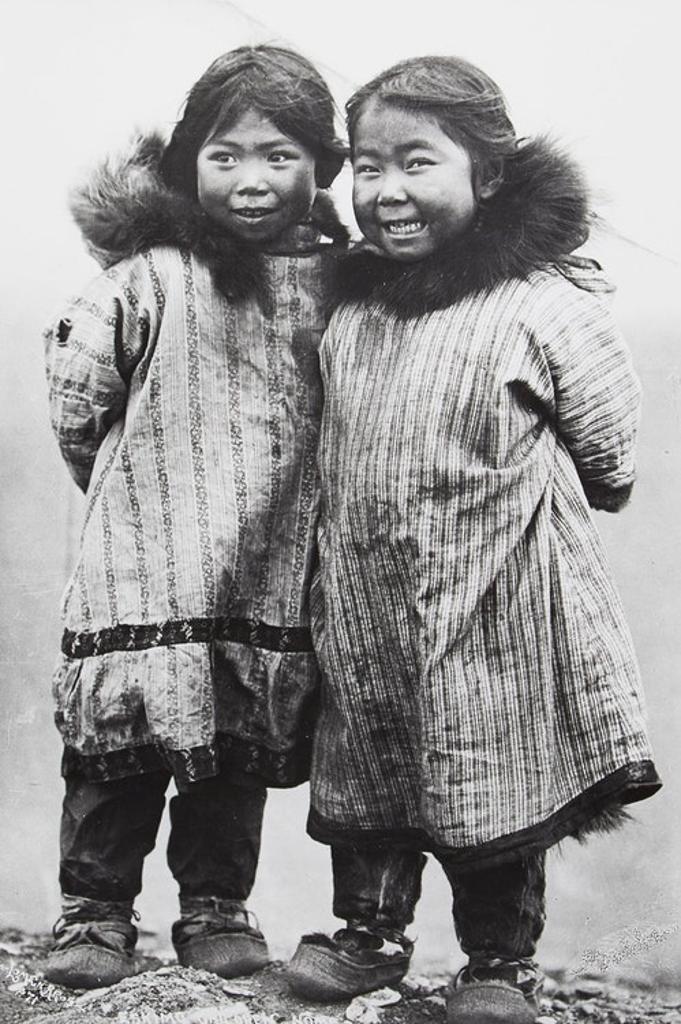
<point x="597" y="395"/>
<point x="92" y="348"/>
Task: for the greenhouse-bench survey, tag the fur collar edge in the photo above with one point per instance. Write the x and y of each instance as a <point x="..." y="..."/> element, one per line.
<point x="538" y="217"/>
<point x="123" y="207"/>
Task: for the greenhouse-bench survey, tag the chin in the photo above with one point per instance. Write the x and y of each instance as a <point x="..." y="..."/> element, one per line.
<point x="407" y="256"/>
<point x="254" y="234"/>
<point x="410" y="257"/>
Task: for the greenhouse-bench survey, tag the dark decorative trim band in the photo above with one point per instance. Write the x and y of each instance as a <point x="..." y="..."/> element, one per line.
<point x="607" y="499"/>
<point x="277" y="769"/>
<point x="130" y="637"/>
<point x="627" y="785"/>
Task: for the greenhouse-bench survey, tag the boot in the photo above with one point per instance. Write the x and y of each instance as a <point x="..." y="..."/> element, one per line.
<point x="215" y="934"/>
<point x="94" y="944"/>
<point x="355" y="960"/>
<point x="495" y="991"/>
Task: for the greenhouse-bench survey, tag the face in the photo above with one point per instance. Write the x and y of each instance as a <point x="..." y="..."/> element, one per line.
<point x="254" y="181"/>
<point x="413" y="186"/>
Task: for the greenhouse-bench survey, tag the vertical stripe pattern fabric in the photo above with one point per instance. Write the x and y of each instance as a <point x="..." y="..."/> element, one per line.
<point x="192" y="423"/>
<point x="478" y="672"/>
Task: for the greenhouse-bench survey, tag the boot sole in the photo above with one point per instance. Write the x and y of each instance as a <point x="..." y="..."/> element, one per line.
<point x="229" y="956"/>
<point x="489" y="1003"/>
<point x="326" y="976"/>
<point x="91" y="967"/>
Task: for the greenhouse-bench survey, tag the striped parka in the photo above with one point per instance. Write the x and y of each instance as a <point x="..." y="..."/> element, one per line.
<point x="481" y="695"/>
<point x="190" y="418"/>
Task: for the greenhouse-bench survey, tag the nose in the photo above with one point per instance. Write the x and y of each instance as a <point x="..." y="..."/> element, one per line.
<point x="252" y="181"/>
<point x="391" y="191"/>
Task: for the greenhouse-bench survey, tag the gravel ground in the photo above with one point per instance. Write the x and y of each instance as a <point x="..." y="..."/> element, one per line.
<point x="167" y="994"/>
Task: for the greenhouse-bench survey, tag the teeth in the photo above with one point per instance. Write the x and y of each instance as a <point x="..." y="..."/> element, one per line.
<point x="253" y="214"/>
<point x="404" y="227"/>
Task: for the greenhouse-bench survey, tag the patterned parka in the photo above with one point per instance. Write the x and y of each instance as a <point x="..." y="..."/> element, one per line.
<point x="481" y="696"/>
<point x="185" y="395"/>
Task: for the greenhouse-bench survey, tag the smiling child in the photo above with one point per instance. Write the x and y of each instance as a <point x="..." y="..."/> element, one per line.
<point x="481" y="698"/>
<point x="186" y="399"/>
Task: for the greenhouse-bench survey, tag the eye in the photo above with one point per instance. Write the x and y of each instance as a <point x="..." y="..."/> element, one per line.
<point x="221" y="157"/>
<point x="419" y="161"/>
<point x="365" y="169"/>
<point x="280" y="156"/>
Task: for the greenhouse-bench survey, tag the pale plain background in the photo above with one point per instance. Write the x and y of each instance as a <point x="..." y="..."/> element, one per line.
<point x="602" y="75"/>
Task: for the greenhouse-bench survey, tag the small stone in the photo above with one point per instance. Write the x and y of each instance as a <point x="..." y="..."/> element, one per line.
<point x="438" y="1001"/>
<point x="12" y="948"/>
<point x="546" y="1020"/>
<point x="419" y="983"/>
<point x="237" y="988"/>
<point x="381" y="997"/>
<point x="359" y="1012"/>
<point x="18" y="986"/>
<point x="164" y="971"/>
<point x="588" y="989"/>
<point x="364" y="1009"/>
<point x="106" y="1007"/>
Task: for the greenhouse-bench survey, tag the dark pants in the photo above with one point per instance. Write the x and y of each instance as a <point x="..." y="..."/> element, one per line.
<point x="498" y="912"/>
<point x="108" y="828"/>
<point x="376" y="887"/>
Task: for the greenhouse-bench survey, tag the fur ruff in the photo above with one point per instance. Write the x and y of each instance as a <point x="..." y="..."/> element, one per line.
<point x="610" y="818"/>
<point x="538" y="216"/>
<point x="124" y="207"/>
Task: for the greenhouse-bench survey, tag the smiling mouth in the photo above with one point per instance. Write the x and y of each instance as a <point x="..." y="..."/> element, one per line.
<point x="253" y="213"/>
<point x="403" y="227"/>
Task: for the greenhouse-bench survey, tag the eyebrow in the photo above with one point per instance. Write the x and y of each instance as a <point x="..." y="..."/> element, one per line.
<point x="403" y="147"/>
<point x="276" y="142"/>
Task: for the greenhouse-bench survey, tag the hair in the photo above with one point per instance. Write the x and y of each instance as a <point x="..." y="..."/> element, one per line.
<point x="278" y="83"/>
<point x="467" y="105"/>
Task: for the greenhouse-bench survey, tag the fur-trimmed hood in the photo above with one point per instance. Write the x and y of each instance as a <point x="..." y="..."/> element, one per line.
<point x="538" y="216"/>
<point x="124" y="207"/>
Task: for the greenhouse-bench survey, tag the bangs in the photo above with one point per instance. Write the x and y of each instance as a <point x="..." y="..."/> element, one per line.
<point x="286" y="119"/>
<point x="464" y="102"/>
<point x="279" y="85"/>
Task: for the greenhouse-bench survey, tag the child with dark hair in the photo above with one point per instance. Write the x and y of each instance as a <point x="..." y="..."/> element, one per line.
<point x="185" y="395"/>
<point x="480" y="698"/>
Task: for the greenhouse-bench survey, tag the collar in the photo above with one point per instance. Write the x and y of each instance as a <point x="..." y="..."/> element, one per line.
<point x="538" y="217"/>
<point x="124" y="207"/>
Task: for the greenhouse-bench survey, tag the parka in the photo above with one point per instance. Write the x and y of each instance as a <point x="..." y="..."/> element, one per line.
<point x="185" y="395"/>
<point x="481" y="696"/>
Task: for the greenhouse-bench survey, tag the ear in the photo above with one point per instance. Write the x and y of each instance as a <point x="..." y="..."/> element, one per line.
<point x="487" y="190"/>
<point x="489" y="178"/>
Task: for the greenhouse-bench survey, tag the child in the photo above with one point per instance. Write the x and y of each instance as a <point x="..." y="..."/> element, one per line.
<point x="185" y="395"/>
<point x="481" y="698"/>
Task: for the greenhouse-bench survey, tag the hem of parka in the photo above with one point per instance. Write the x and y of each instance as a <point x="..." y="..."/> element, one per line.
<point x="242" y="740"/>
<point x="279" y="770"/>
<point x="580" y="816"/>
